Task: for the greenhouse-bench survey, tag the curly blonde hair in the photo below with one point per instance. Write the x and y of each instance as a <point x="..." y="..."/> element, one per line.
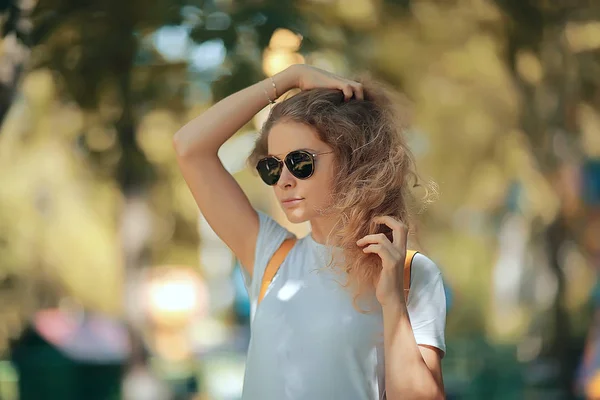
<point x="375" y="169"/>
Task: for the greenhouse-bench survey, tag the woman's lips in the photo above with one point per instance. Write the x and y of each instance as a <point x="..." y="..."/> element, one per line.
<point x="291" y="202"/>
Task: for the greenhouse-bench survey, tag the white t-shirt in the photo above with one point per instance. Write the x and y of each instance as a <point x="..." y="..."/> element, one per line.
<point x="308" y="341"/>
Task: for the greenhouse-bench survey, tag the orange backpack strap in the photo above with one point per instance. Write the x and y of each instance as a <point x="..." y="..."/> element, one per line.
<point x="274" y="264"/>
<point x="410" y="254"/>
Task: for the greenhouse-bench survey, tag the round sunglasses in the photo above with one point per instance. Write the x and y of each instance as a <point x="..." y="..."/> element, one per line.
<point x="300" y="163"/>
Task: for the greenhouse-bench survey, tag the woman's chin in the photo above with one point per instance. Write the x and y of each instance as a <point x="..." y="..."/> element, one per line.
<point x="296" y="215"/>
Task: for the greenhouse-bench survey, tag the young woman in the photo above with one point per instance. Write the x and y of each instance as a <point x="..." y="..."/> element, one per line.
<point x="334" y="323"/>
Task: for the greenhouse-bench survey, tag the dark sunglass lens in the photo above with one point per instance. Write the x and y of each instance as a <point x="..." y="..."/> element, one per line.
<point x="269" y="170"/>
<point x="300" y="164"/>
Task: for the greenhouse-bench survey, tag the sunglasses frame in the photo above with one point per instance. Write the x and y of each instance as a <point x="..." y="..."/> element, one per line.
<point x="282" y="163"/>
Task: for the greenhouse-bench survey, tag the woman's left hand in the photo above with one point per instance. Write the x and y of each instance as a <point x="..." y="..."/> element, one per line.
<point x="390" y="284"/>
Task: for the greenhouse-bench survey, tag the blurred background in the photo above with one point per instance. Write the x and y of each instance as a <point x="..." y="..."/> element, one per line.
<point x="113" y="286"/>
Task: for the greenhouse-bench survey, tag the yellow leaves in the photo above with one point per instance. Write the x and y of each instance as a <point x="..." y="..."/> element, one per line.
<point x="362" y="14"/>
<point x="39" y="88"/>
<point x="330" y="61"/>
<point x="529" y="67"/>
<point x="183" y="202"/>
<point x="282" y="51"/>
<point x="285" y="39"/>
<point x="67" y="121"/>
<point x="539" y="198"/>
<point x="99" y="138"/>
<point x="329" y="35"/>
<point x="452" y="23"/>
<point x="83" y="252"/>
<point x="583" y="36"/>
<point x="155" y="133"/>
<point x="276" y="60"/>
<point x="483" y="52"/>
<point x="589" y="122"/>
<point x="580" y="278"/>
<point x="482" y="10"/>
<point x="488" y="187"/>
<point x="508" y="325"/>
<point x="396" y="50"/>
<point x="56" y="222"/>
<point x="516" y="153"/>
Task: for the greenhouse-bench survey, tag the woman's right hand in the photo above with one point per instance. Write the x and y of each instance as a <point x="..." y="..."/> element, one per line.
<point x="308" y="77"/>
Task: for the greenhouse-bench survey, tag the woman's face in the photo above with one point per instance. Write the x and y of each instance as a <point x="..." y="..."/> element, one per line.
<point x="302" y="199"/>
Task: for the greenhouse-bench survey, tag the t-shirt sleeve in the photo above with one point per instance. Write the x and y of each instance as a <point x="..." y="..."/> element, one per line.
<point x="270" y="236"/>
<point x="427" y="303"/>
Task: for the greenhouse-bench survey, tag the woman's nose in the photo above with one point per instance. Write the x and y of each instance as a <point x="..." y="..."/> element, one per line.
<point x="286" y="179"/>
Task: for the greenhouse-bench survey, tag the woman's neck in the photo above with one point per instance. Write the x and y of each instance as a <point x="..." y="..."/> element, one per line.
<point x="321" y="228"/>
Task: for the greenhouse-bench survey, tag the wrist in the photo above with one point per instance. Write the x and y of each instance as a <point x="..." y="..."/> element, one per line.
<point x="286" y="80"/>
<point x="394" y="304"/>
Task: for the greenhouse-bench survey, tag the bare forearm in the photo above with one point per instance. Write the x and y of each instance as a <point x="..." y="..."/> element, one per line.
<point x="207" y="132"/>
<point x="407" y="374"/>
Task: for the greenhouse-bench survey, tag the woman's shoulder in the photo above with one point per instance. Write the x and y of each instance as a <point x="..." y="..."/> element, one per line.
<point x="424" y="270"/>
<point x="271" y="235"/>
<point x="269" y="226"/>
<point x="427" y="291"/>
